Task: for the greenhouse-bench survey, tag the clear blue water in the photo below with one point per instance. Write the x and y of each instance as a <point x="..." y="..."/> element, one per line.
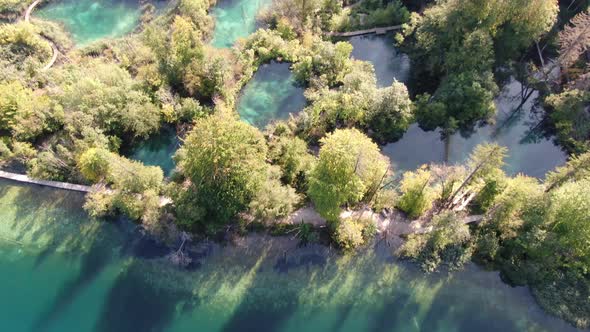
<point x="272" y="94"/>
<point x="235" y="19"/>
<point x="91" y="20"/>
<point x="158" y="150"/>
<point x="62" y="271"/>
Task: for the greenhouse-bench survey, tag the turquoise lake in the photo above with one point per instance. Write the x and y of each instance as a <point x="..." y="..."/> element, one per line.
<point x="235" y="19"/>
<point x="91" y="20"/>
<point x="62" y="271"/>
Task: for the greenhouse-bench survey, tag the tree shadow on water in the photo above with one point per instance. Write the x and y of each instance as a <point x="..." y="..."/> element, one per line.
<point x="465" y="316"/>
<point x="133" y="304"/>
<point x="263" y="308"/>
<point x="92" y="264"/>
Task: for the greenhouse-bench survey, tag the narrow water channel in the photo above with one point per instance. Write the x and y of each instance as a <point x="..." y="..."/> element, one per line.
<point x="61" y="271"/>
<point x="91" y="20"/>
<point x="517" y="117"/>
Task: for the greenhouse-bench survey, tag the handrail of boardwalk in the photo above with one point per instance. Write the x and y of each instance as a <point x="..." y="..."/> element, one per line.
<point x="54" y="184"/>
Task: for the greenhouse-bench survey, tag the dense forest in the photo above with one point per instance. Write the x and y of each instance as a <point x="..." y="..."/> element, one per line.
<point x="72" y="121"/>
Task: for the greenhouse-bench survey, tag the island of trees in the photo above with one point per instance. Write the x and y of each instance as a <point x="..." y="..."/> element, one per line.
<point x="72" y="121"/>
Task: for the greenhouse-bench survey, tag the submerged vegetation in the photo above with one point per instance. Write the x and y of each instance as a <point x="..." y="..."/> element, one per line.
<point x="71" y="122"/>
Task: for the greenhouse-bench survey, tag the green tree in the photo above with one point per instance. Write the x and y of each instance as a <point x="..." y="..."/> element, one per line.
<point x="350" y="167"/>
<point x="571" y="118"/>
<point x="274" y="200"/>
<point x="577" y="168"/>
<point x="176" y="49"/>
<point x="460" y="101"/>
<point x="330" y="62"/>
<point x="392" y="113"/>
<point x="26" y="114"/>
<point x="448" y="244"/>
<point x="224" y="159"/>
<point x="102" y="95"/>
<point x="292" y="156"/>
<point x="417" y="193"/>
<point x="568" y="218"/>
<point x="94" y="164"/>
<point x="457" y="43"/>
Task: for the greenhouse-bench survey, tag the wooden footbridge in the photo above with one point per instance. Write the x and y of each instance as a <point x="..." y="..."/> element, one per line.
<point x="378" y="31"/>
<point x="22" y="178"/>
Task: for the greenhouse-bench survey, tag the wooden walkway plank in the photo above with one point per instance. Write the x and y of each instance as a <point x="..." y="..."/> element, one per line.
<point x="22" y="178"/>
<point x="54" y="184"/>
<point x="379" y="31"/>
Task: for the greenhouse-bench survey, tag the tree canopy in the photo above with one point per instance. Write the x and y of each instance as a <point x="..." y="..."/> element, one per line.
<point x="350" y="167"/>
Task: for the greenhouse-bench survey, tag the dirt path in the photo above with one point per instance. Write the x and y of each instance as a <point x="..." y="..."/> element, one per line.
<point x="53" y="47"/>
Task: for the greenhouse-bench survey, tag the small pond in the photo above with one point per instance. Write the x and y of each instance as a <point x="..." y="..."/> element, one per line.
<point x="272" y="94"/>
<point x="91" y="20"/>
<point x="62" y="271"/>
<point x="235" y="19"/>
<point x="158" y="150"/>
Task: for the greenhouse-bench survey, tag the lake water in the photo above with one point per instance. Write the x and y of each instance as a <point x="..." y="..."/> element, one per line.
<point x="61" y="271"/>
<point x="528" y="152"/>
<point x="272" y="94"/>
<point x="91" y="20"/>
<point x="235" y="19"/>
<point x="158" y="150"/>
<point x="388" y="62"/>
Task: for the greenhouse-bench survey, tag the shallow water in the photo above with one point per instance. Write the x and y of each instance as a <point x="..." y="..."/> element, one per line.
<point x="235" y="19"/>
<point x="61" y="271"/>
<point x="91" y="20"/>
<point x="158" y="150"/>
<point x="272" y="94"/>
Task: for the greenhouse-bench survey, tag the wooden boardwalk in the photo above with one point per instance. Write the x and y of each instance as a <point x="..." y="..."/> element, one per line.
<point x="53" y="184"/>
<point x="378" y="31"/>
<point x="22" y="178"/>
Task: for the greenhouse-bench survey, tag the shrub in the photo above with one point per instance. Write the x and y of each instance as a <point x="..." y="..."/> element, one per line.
<point x="417" y="195"/>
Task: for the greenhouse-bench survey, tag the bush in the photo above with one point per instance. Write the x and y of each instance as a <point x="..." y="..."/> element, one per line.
<point x="292" y="156"/>
<point x="417" y="195"/>
<point x="384" y="199"/>
<point x="274" y="200"/>
<point x="448" y="244"/>
<point x="349" y="234"/>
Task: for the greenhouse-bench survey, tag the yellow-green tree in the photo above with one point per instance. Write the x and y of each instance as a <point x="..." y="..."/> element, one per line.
<point x="350" y="167"/>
